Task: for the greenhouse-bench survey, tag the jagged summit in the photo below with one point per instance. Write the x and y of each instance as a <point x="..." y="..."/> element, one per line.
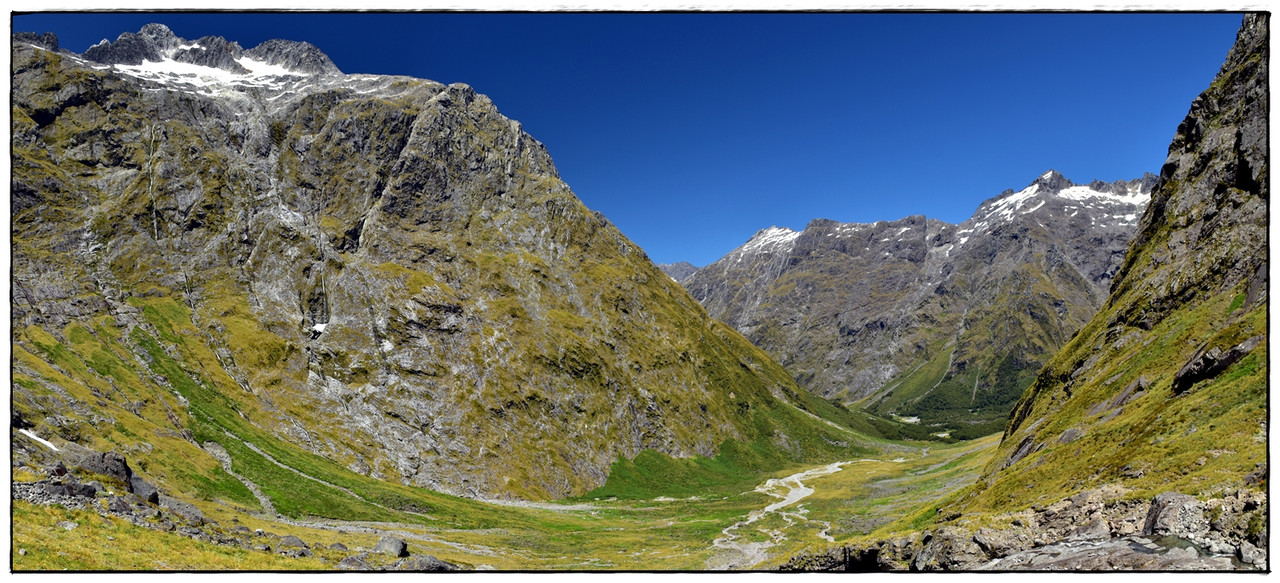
<point x="156" y="47"/>
<point x="1052" y="194"/>
<point x="298" y="56"/>
<point x="47" y="41"/>
<point x="1053" y="180"/>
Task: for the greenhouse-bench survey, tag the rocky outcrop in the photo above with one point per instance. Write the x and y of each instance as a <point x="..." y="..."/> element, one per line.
<point x="1095" y="530"/>
<point x="1209" y="362"/>
<point x="1175" y="514"/>
<point x="113" y="465"/>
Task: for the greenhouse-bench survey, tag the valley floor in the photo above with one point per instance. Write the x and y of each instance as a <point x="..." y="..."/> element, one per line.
<point x="799" y="509"/>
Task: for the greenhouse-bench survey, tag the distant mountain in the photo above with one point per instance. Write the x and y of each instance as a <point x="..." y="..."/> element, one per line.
<point x="920" y="318"/>
<point x="678" y="271"/>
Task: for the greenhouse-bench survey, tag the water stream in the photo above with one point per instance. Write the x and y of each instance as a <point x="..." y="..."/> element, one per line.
<point x="738" y="553"/>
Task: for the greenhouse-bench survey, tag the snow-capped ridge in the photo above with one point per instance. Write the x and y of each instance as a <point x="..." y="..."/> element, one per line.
<point x="772" y="238"/>
<point x="1119" y="196"/>
<point x="155" y="51"/>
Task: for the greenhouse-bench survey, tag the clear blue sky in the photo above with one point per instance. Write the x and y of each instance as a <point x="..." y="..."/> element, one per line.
<point x="693" y="131"/>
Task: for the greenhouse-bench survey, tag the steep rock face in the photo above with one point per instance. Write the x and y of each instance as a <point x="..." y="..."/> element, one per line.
<point x="922" y="318"/>
<point x="384" y="271"/>
<point x="1166" y="387"/>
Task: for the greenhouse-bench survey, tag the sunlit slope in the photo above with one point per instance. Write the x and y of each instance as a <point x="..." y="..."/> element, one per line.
<point x="380" y="282"/>
<point x="1166" y="388"/>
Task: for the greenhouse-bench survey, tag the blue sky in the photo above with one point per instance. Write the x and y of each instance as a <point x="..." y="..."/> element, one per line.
<point x="693" y="131"/>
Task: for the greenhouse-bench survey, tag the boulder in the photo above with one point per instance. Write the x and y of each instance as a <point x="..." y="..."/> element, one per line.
<point x="144" y="490"/>
<point x="110" y="464"/>
<point x="183" y="509"/>
<point x="948" y="549"/>
<point x="390" y="545"/>
<point x="68" y="487"/>
<point x="119" y="505"/>
<point x="354" y="563"/>
<point x="1177" y="514"/>
<point x="290" y="541"/>
<point x="1250" y="554"/>
<point x="1000" y="543"/>
<point x="113" y="465"/>
<point x="422" y="563"/>
<point x="1095" y="529"/>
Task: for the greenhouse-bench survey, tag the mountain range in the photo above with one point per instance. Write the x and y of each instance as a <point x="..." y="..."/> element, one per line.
<point x="925" y="320"/>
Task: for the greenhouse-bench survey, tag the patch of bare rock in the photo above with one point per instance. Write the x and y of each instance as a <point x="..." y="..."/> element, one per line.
<point x="1094" y="530"/>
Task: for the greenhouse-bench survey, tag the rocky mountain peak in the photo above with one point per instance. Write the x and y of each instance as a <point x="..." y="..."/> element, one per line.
<point x="771" y="239"/>
<point x="299" y="56"/>
<point x="47" y="41"/>
<point x="157" y="33"/>
<point x="156" y="43"/>
<point x="1052" y="181"/>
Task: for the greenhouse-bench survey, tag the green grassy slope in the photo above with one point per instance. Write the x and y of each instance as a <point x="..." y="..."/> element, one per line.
<point x="1117" y="404"/>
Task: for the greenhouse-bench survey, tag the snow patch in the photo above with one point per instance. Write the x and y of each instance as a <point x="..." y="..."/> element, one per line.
<point x="261" y="68"/>
<point x="772" y="239"/>
<point x="211" y="80"/>
<point x="37" y="438"/>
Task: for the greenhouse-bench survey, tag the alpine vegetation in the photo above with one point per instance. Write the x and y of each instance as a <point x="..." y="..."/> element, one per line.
<point x="268" y="315"/>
